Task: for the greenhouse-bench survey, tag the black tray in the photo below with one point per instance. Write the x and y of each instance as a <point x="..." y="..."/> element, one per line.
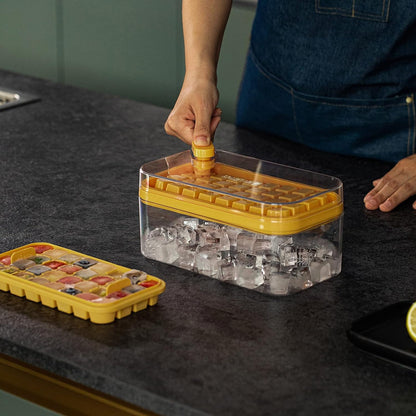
<point x="384" y="334"/>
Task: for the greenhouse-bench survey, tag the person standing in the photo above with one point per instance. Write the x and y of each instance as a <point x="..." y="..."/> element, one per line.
<point x="336" y="75"/>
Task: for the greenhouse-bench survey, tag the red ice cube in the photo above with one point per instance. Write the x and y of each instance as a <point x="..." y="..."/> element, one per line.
<point x="101" y="280"/>
<point x="69" y="280"/>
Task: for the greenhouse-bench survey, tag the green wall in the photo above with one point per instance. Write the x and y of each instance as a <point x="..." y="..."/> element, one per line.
<point x="130" y="48"/>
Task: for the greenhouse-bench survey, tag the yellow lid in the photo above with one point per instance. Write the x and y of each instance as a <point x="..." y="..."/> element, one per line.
<point x="244" y="199"/>
<point x="203" y="152"/>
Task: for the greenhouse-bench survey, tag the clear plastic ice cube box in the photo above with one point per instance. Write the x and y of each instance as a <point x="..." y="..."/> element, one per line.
<point x="264" y="226"/>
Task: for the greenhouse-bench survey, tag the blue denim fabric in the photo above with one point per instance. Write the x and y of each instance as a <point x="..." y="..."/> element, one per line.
<point x="337" y="75"/>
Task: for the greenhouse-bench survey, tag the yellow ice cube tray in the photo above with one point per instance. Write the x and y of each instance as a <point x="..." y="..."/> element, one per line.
<point x="77" y="284"/>
<point x="243" y="198"/>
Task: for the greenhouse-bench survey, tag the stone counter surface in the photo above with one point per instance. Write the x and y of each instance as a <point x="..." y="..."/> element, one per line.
<point x="69" y="176"/>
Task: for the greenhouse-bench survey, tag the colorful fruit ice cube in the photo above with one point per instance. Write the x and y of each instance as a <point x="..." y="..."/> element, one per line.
<point x="85" y="263"/>
<point x="69" y="268"/>
<point x="54" y="275"/>
<point x="42" y="248"/>
<point x="148" y="283"/>
<point x="40" y="281"/>
<point x="39" y="259"/>
<point x="55" y="285"/>
<point x="102" y="268"/>
<point x="85" y="274"/>
<point x="54" y="253"/>
<point x="54" y="264"/>
<point x="135" y="276"/>
<point x="86" y="286"/>
<point x="134" y="288"/>
<point x="117" y="295"/>
<point x="6" y="260"/>
<point x="87" y="296"/>
<point x="102" y="280"/>
<point x="38" y="269"/>
<point x="69" y="258"/>
<point x="70" y="280"/>
<point x="23" y="263"/>
<point x="100" y="291"/>
<point x="23" y="274"/>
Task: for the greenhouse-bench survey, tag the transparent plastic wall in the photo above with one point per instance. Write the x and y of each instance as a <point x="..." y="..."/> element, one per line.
<point x="266" y="227"/>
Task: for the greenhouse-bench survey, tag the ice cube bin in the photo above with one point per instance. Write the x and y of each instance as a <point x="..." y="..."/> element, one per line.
<point x="77" y="284"/>
<point x="257" y="224"/>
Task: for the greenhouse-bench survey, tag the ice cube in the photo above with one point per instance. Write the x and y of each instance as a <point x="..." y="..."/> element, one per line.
<point x="133" y="288"/>
<point x="289" y="270"/>
<point x="223" y="243"/>
<point x="186" y="256"/>
<point x="170" y="233"/>
<point x="85" y="273"/>
<point x="300" y="281"/>
<point x="102" y="268"/>
<point x="280" y="240"/>
<point x="288" y="255"/>
<point x="202" y="235"/>
<point x="278" y="283"/>
<point x="320" y="270"/>
<point x="206" y="260"/>
<point x="191" y="222"/>
<point x="246" y="260"/>
<point x="249" y="277"/>
<point x="85" y="263"/>
<point x="23" y="263"/>
<point x="38" y="269"/>
<point x="325" y="250"/>
<point x="160" y="244"/>
<point x="322" y="247"/>
<point x="186" y="235"/>
<point x="261" y="247"/>
<point x="305" y="256"/>
<point x="270" y="264"/>
<point x="232" y="233"/>
<point x="335" y="263"/>
<point x="245" y="242"/>
<point x="227" y="270"/>
<point x="262" y="244"/>
<point x="135" y="276"/>
<point x="214" y="234"/>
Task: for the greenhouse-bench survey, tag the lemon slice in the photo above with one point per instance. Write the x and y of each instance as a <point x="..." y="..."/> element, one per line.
<point x="411" y="322"/>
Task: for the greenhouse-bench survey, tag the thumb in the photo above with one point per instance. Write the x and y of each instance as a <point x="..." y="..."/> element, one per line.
<point x="202" y="133"/>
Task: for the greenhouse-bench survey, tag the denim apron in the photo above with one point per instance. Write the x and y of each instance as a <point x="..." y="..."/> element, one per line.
<point x="336" y="75"/>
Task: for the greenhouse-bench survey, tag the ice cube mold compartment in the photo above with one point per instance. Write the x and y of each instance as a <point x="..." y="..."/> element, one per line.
<point x="77" y="284"/>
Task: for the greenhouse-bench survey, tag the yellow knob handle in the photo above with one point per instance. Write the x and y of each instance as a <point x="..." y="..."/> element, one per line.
<point x="203" y="152"/>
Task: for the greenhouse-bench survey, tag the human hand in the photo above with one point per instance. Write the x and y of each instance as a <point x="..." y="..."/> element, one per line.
<point x="195" y="116"/>
<point x="394" y="187"/>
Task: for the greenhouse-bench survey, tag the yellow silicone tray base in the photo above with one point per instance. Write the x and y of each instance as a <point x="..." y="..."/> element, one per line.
<point x="99" y="313"/>
<point x="269" y="205"/>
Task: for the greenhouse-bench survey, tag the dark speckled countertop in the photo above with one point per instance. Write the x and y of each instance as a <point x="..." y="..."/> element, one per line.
<point x="69" y="175"/>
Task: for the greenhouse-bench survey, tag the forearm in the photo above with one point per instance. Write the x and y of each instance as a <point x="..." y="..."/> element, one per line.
<point x="204" y="23"/>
